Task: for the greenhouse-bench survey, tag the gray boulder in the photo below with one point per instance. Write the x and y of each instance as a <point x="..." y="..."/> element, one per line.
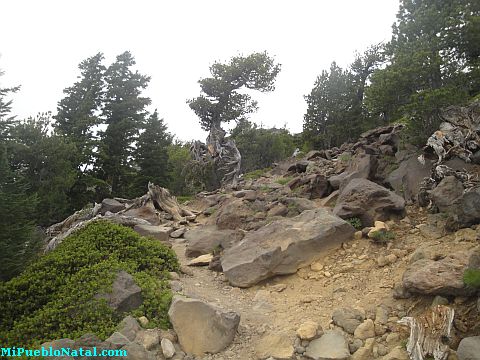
<point x="201" y="327"/>
<point x="447" y="191"/>
<point x="125" y="294"/>
<point x="331" y="346"/>
<point x="465" y="211"/>
<point x="160" y="233"/>
<point x="441" y="277"/>
<point x="111" y="205"/>
<point x="203" y="240"/>
<point x="348" y="319"/>
<point x="283" y="246"/>
<point x="369" y="202"/>
<point x="361" y="166"/>
<point x="469" y="348"/>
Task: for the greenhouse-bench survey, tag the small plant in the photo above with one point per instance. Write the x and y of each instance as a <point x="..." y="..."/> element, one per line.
<point x="345" y="157"/>
<point x="184" y="198"/>
<point x="355" y="222"/>
<point x="255" y="174"/>
<point x="284" y="180"/>
<point x="382" y="236"/>
<point x="471" y="278"/>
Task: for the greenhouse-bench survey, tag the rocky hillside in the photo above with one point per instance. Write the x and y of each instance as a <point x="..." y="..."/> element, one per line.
<point x="357" y="252"/>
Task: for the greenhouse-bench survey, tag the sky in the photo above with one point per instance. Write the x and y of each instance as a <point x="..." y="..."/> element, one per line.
<point x="175" y="42"/>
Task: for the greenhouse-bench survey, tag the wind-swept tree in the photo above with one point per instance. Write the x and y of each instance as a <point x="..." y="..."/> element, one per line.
<point x="222" y="101"/>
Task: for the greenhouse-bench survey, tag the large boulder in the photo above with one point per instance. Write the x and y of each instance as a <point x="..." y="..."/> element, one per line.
<point x="111" y="205"/>
<point x="125" y="294"/>
<point x="146" y="212"/>
<point x="283" y="246"/>
<point x="203" y="240"/>
<point x="465" y="210"/>
<point x="361" y="166"/>
<point x="441" y="277"/>
<point x="407" y="178"/>
<point x="447" y="191"/>
<point x="201" y="327"/>
<point x="160" y="233"/>
<point x="233" y="214"/>
<point x="368" y="201"/>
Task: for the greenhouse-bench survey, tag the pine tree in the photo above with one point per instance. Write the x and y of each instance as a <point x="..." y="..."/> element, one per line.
<point x="124" y="113"/>
<point x="151" y="155"/>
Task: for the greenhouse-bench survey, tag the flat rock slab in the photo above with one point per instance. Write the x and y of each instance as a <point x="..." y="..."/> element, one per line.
<point x="202" y="260"/>
<point x="284" y="246"/>
<point x="203" y="240"/>
<point x="158" y="232"/>
<point x="278" y="346"/>
<point x="201" y="327"/>
<point x="331" y="346"/>
<point x="442" y="277"/>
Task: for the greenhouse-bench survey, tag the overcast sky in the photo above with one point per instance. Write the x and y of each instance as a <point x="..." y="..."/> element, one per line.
<point x="175" y="42"/>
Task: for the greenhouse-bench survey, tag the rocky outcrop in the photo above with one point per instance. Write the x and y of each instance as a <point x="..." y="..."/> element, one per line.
<point x="205" y="239"/>
<point x="125" y="294"/>
<point x="368" y="201"/>
<point x="441" y="277"/>
<point x="201" y="327"/>
<point x="283" y="246"/>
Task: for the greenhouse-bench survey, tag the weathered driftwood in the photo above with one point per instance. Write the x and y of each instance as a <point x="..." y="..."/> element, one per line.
<point x="156" y="195"/>
<point x="163" y="200"/>
<point x="429" y="332"/>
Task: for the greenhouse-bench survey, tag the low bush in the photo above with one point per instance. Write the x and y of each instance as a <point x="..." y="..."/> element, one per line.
<point x="471" y="277"/>
<point x="55" y="296"/>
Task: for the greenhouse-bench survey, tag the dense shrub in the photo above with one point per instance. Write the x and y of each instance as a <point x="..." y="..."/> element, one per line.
<point x="55" y="296"/>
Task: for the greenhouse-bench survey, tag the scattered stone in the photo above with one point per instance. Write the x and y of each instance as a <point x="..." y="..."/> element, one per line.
<point x="439" y="300"/>
<point x="278" y="210"/>
<point x="316" y="266"/>
<point x="308" y="330"/>
<point x="279" y="287"/>
<point x="381" y="315"/>
<point x="150" y="339"/>
<point x="178" y="233"/>
<point x="143" y="321"/>
<point x="398" y="353"/>
<point x="176" y="286"/>
<point x="466" y="235"/>
<point x="278" y="346"/>
<point x="469" y="348"/>
<point x="129" y="328"/>
<point x="392" y="339"/>
<point x="365" y="330"/>
<point x="202" y="260"/>
<point x="355" y="345"/>
<point x="202" y="327"/>
<point x="137" y="352"/>
<point x="118" y="340"/>
<point x="282" y="247"/>
<point x="358" y="235"/>
<point x="168" y="349"/>
<point x="332" y="345"/>
<point x="348" y="319"/>
<point x="365" y="352"/>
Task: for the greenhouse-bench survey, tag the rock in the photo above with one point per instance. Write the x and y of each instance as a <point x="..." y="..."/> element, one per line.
<point x="278" y="210"/>
<point x="442" y="277"/>
<point x="299" y="166"/>
<point x="365" y="330"/>
<point x="118" y="340"/>
<point x="381" y="315"/>
<point x="348" y="319"/>
<point x="178" y="233"/>
<point x="469" y="348"/>
<point x="283" y="246"/>
<point x="358" y="235"/>
<point x="361" y="166"/>
<point x="161" y="233"/>
<point x="365" y="352"/>
<point x="466" y="235"/>
<point x="146" y="212"/>
<point x="202" y="327"/>
<point x="355" y="345"/>
<point x="278" y="346"/>
<point x="176" y="286"/>
<point x="332" y="345"/>
<point x="232" y="214"/>
<point x="143" y="321"/>
<point x="205" y="239"/>
<point x="125" y="294"/>
<point x="392" y="339"/>
<point x="307" y="330"/>
<point x="314" y="154"/>
<point x="331" y="199"/>
<point x="300" y="204"/>
<point x="407" y="178"/>
<point x="314" y="186"/>
<point x="398" y="353"/>
<point x="465" y="211"/>
<point x="111" y="205"/>
<point x="379" y="226"/>
<point x="150" y="339"/>
<point x="168" y="349"/>
<point x="316" y="266"/>
<point x="446" y="192"/>
<point x="202" y="260"/>
<point x="129" y="328"/>
<point x="137" y="352"/>
<point x="369" y="202"/>
<point x="439" y="300"/>
<point x="279" y="287"/>
<point x="399" y="292"/>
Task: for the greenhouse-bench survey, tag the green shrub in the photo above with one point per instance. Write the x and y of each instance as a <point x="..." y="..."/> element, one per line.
<point x="471" y="277"/>
<point x="355" y="222"/>
<point x="284" y="180"/>
<point x="382" y="236"/>
<point x="255" y="174"/>
<point x="55" y="296"/>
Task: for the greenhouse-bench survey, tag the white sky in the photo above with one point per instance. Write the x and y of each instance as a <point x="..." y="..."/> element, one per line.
<point x="175" y="42"/>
